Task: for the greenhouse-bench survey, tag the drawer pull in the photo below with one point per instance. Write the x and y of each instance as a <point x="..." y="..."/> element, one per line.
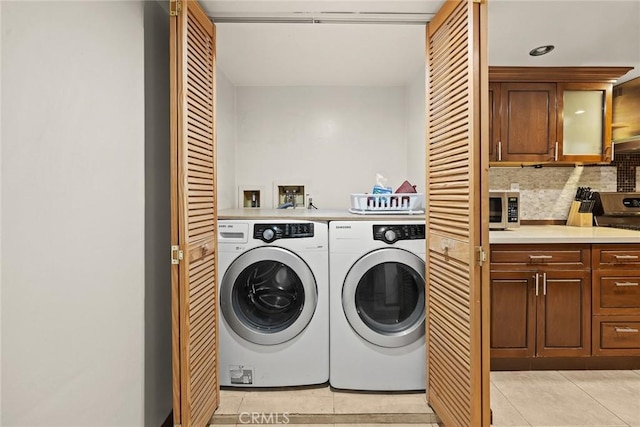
<point x="626" y="256"/>
<point x="627" y="329"/>
<point x="626" y="284"/>
<point x="536" y="257"/>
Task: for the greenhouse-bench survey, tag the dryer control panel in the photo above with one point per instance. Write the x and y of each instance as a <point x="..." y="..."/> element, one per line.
<point x="395" y="232"/>
<point x="270" y="232"/>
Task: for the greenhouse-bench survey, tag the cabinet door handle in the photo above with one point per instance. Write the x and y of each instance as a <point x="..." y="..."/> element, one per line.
<point x="627" y="329"/>
<point x="499" y="150"/>
<point x="613" y="151"/>
<point x="626" y="284"/>
<point x="626" y="256"/>
<point x="555" y="156"/>
<point x="536" y="257"/>
<point x="536" y="277"/>
<point x="544" y="283"/>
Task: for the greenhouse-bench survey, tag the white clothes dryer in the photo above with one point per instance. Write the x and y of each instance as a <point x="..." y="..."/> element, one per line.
<point x="377" y="308"/>
<point x="274" y="303"/>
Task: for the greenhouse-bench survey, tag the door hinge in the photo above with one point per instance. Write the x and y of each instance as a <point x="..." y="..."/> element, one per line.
<point x="176" y="254"/>
<point x="481" y="256"/>
<point x="175" y="7"/>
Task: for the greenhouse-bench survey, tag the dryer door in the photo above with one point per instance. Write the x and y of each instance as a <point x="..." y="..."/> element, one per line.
<point x="268" y="295"/>
<point x="383" y="297"/>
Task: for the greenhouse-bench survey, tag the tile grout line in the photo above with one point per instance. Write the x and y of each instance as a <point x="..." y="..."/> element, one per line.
<point x="333" y="401"/>
<point x="511" y="403"/>
<point x="594" y="398"/>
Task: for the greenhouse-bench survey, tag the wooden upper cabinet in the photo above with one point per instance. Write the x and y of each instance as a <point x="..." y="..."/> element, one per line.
<point x="544" y="115"/>
<point x="584" y="122"/>
<point x="626" y="104"/>
<point x="528" y="123"/>
<point x="494" y="121"/>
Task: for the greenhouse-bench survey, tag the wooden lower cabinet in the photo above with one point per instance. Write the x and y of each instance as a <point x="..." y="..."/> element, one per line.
<point x="616" y="335"/>
<point x="616" y="300"/>
<point x="555" y="305"/>
<point x="513" y="314"/>
<point x="540" y="313"/>
<point x="564" y="314"/>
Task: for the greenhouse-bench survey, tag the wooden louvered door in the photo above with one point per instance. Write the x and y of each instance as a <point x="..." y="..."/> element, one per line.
<point x="457" y="164"/>
<point x="194" y="222"/>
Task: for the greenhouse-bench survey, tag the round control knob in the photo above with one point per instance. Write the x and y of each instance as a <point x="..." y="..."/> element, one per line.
<point x="268" y="235"/>
<point x="390" y="236"/>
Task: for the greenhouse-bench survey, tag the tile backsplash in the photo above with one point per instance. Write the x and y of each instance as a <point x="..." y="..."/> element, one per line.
<point x="546" y="193"/>
<point x="627" y="165"/>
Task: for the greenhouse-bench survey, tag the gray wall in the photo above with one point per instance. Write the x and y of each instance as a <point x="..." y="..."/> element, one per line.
<point x="73" y="213"/>
<point x="157" y="279"/>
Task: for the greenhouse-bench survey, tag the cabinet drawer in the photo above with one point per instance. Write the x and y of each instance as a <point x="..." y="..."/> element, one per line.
<point x="616" y="293"/>
<point x="616" y="256"/>
<point x="537" y="257"/>
<point x="616" y="335"/>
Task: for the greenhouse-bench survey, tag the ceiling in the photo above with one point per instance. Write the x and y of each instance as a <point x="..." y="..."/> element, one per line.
<point x="328" y="50"/>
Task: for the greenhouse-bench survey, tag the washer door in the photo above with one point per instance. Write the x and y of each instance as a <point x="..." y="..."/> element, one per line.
<point x="268" y="295"/>
<point x="383" y="297"/>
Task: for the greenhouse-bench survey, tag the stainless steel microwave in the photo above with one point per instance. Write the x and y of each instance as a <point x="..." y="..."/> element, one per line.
<point x="504" y="209"/>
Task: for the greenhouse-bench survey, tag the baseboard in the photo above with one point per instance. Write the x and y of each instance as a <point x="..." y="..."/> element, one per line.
<point x="564" y="363"/>
<point x="169" y="421"/>
<point x="362" y="418"/>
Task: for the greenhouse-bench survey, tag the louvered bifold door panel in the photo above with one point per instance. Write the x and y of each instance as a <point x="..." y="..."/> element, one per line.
<point x="195" y="211"/>
<point x="454" y="226"/>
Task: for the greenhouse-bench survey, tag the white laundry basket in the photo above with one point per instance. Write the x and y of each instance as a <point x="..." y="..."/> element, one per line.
<point x="396" y="203"/>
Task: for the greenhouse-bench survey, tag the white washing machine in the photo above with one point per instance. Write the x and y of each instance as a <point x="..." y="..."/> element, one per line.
<point x="377" y="309"/>
<point x="274" y="303"/>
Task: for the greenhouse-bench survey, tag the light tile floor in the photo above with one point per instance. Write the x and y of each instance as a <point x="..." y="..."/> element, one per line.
<point x="566" y="398"/>
<point x="348" y="425"/>
<point x="322" y="401"/>
<point x="521" y="398"/>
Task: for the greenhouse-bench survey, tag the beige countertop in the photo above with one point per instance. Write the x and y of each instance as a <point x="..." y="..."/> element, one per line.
<point x="563" y="234"/>
<point x="529" y="234"/>
<point x="310" y="215"/>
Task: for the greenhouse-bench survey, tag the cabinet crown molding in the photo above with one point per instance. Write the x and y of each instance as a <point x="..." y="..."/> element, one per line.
<point x="557" y="74"/>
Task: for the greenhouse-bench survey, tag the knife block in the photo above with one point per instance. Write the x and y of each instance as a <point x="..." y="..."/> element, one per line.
<point x="579" y="219"/>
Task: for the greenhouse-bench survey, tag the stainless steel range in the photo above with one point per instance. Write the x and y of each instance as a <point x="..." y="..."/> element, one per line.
<point x="618" y="210"/>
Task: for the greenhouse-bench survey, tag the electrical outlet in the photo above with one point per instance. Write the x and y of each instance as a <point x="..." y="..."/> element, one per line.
<point x="515" y="186"/>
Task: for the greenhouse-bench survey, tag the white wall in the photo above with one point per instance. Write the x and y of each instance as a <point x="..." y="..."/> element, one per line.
<point x="72" y="213"/>
<point x="333" y="139"/>
<point x="226" y="141"/>
<point x="416" y="131"/>
<point x="1" y="275"/>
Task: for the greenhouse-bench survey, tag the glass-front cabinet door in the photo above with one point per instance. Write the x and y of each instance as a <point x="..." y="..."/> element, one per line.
<point x="584" y="128"/>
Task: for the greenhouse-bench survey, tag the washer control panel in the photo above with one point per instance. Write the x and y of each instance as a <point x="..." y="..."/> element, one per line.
<point x="270" y="232"/>
<point x="394" y="232"/>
